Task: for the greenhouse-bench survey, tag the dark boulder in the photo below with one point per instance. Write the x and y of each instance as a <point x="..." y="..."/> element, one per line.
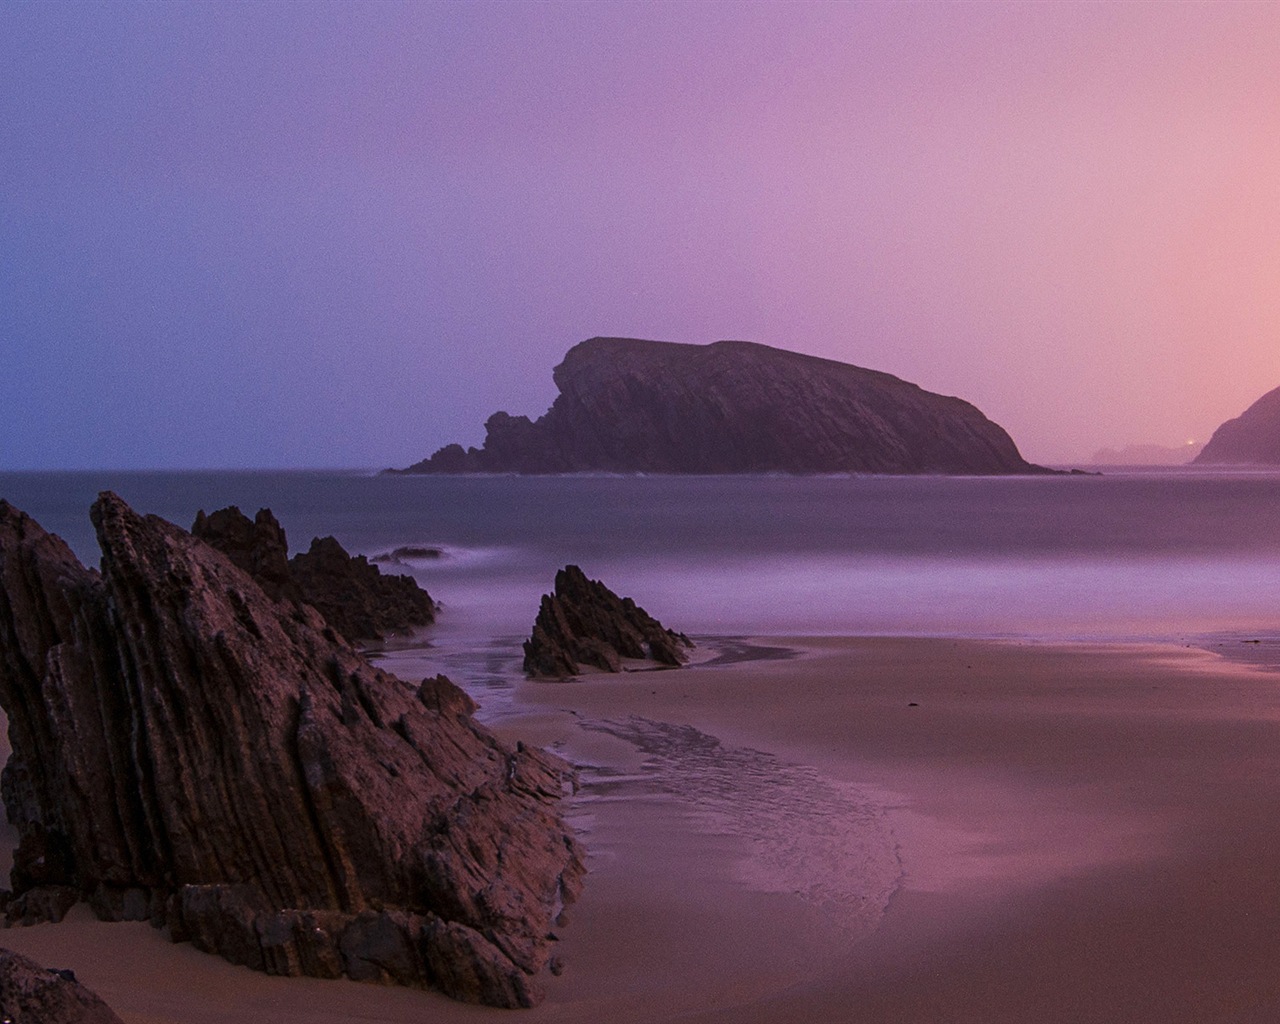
<point x="585" y="623"/>
<point x="31" y="994"/>
<point x="187" y="748"/>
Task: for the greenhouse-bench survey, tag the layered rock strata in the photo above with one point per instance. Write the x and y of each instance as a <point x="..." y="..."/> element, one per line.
<point x="31" y="994"/>
<point x="353" y="596"/>
<point x="633" y="406"/>
<point x="583" y="622"/>
<point x="259" y="546"/>
<point x="189" y="751"/>
<point x="1252" y="438"/>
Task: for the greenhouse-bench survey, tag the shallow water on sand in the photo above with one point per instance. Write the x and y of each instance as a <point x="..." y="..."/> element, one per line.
<point x="805" y="835"/>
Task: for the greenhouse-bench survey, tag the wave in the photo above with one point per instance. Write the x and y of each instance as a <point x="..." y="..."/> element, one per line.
<point x="427" y="555"/>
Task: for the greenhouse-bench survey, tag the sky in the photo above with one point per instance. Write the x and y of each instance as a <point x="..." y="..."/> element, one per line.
<point x="311" y="235"/>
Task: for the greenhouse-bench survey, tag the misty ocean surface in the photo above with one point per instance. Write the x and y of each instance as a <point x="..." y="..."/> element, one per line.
<point x="1174" y="555"/>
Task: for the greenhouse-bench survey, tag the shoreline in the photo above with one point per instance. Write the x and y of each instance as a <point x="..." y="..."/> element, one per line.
<point x="873" y="829"/>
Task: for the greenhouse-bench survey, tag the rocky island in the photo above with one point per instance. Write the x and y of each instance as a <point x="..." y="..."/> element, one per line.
<point x="633" y="406"/>
<point x="189" y="750"/>
<point x="1253" y="437"/>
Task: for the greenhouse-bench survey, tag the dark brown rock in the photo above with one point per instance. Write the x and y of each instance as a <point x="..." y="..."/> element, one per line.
<point x="633" y="406"/>
<point x="585" y="623"/>
<point x="258" y="546"/>
<point x="31" y="994"/>
<point x="1252" y="438"/>
<point x="439" y="694"/>
<point x="464" y="963"/>
<point x="184" y="743"/>
<point x="42" y="903"/>
<point x="353" y="596"/>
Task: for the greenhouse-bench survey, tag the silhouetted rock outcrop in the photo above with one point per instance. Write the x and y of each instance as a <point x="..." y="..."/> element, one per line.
<point x="632" y="406"/>
<point x="189" y="751"/>
<point x="31" y="994"/>
<point x="355" y="598"/>
<point x="586" y="623"/>
<point x="258" y="546"/>
<point x="1253" y="437"/>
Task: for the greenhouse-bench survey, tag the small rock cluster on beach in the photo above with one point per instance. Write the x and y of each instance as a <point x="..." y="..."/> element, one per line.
<point x="31" y="994"/>
<point x="189" y="750"/>
<point x="585" y="623"/>
<point x="354" y="597"/>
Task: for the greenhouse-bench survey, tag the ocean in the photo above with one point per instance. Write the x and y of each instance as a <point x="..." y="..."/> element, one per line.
<point x="1179" y="555"/>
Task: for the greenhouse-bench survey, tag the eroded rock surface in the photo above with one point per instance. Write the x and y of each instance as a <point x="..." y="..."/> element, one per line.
<point x="190" y="751"/>
<point x="259" y="546"/>
<point x="359" y="601"/>
<point x="31" y="994"/>
<point x="633" y="406"/>
<point x="585" y="623"/>
<point x="354" y="597"/>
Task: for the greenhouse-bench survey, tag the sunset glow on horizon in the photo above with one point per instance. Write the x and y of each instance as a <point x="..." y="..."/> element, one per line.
<point x="330" y="234"/>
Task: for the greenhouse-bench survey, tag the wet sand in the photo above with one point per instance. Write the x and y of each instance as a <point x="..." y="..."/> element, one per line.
<point x="896" y="830"/>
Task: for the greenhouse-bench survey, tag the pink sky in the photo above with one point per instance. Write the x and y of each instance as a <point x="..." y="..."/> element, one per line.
<point x="315" y="234"/>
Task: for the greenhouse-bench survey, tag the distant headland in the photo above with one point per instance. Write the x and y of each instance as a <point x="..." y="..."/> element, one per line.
<point x="1253" y="437"/>
<point x="633" y="406"/>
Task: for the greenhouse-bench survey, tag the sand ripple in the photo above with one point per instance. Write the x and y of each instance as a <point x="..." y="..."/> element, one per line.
<point x="816" y="838"/>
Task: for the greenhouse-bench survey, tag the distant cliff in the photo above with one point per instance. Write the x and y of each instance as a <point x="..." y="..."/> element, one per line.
<point x="1147" y="455"/>
<point x="1252" y="437"/>
<point x="632" y="406"/>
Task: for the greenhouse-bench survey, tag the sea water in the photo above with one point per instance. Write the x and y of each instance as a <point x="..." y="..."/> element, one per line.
<point x="1135" y="555"/>
<point x="1172" y="556"/>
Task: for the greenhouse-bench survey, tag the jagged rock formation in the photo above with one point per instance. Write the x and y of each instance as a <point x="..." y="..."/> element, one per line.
<point x="1253" y="437"/>
<point x="31" y="994"/>
<point x="189" y="751"/>
<point x="258" y="546"/>
<point x="353" y="595"/>
<point x="632" y="406"/>
<point x="585" y="623"/>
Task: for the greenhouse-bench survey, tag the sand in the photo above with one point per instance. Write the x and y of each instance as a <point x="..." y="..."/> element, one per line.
<point x="874" y="830"/>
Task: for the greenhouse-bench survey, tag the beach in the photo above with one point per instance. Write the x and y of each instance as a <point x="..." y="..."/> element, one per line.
<point x="370" y="367"/>
<point x="863" y="830"/>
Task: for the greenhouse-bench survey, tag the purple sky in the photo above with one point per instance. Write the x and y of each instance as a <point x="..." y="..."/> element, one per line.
<point x="302" y="234"/>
